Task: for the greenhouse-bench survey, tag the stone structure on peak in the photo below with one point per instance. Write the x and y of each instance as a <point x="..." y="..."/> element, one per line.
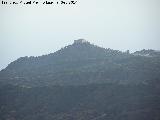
<point x="80" y="41"/>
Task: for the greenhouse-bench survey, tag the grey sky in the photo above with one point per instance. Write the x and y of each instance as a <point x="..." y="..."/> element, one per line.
<point x="117" y="24"/>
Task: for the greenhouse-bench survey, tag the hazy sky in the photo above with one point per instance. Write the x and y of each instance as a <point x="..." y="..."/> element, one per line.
<point x="117" y="24"/>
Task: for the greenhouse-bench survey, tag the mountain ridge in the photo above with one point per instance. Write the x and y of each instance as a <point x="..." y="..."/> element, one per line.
<point x="76" y="45"/>
<point x="82" y="63"/>
<point x="82" y="82"/>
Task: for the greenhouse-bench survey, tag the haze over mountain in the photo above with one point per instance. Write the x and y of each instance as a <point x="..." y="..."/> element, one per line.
<point x="84" y="63"/>
<point x="36" y="30"/>
<point x="82" y="81"/>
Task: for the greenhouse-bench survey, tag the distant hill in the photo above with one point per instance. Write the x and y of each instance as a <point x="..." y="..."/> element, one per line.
<point x="83" y="63"/>
<point x="82" y="82"/>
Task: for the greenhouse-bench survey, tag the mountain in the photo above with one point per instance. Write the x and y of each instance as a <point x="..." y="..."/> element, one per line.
<point x="82" y="81"/>
<point x="82" y="63"/>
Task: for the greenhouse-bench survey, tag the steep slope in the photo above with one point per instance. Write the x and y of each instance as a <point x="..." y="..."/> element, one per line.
<point x="80" y="64"/>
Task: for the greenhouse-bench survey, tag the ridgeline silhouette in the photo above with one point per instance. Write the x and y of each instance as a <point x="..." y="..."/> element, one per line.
<point x="82" y="82"/>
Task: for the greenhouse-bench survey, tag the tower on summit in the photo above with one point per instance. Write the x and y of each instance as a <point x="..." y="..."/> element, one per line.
<point x="80" y="41"/>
